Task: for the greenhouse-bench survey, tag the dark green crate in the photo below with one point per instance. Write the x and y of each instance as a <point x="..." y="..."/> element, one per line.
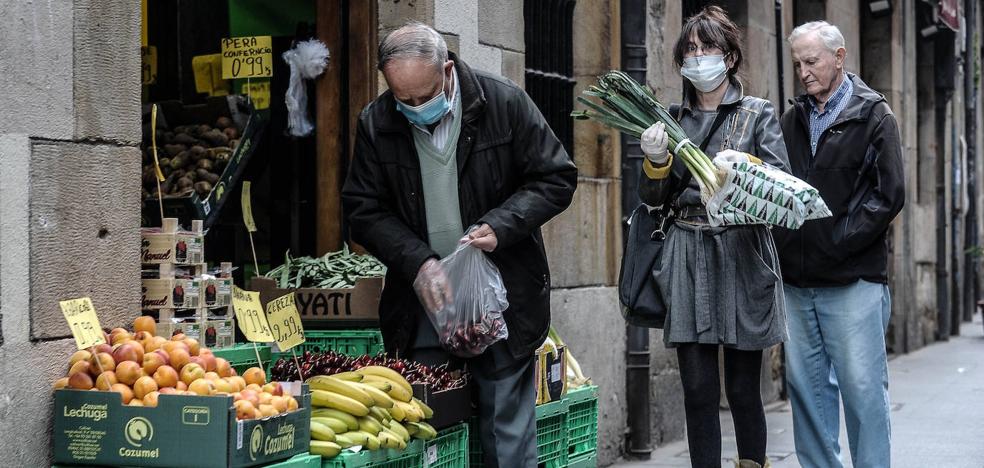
<point x="551" y="436"/>
<point x="348" y="342"/>
<point x="582" y="421"/>
<point x="243" y="356"/>
<point x="411" y="457"/>
<point x="304" y="460"/>
<point x="449" y="449"/>
<point x="589" y="460"/>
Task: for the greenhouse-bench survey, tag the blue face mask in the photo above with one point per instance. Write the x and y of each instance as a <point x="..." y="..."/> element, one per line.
<point x="428" y="112"/>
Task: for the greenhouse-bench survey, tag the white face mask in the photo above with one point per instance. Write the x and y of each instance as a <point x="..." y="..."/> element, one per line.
<point x="705" y="72"/>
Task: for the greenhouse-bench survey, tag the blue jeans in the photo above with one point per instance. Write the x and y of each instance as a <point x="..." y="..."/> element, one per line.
<point x="837" y="344"/>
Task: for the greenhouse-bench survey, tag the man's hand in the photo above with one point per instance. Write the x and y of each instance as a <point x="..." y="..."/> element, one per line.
<point x="482" y="237"/>
<point x="432" y="286"/>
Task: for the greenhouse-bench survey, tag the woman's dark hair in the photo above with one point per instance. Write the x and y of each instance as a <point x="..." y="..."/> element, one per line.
<point x="713" y="27"/>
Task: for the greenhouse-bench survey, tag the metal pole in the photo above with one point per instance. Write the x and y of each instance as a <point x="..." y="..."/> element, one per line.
<point x="942" y="285"/>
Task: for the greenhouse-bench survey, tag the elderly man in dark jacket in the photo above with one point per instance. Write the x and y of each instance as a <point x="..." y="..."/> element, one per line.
<point x="843" y="139"/>
<point x="444" y="149"/>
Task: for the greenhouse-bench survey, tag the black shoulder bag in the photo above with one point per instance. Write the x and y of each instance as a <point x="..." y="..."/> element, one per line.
<point x="642" y="305"/>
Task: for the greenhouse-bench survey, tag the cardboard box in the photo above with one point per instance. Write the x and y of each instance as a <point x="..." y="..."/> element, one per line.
<point x="95" y="428"/>
<point x="326" y="306"/>
<point x="217" y="292"/>
<point x="450" y="407"/>
<point x="181" y="248"/>
<point x="551" y="375"/>
<point x="171" y="293"/>
<point x="220" y="333"/>
<point x="191" y="328"/>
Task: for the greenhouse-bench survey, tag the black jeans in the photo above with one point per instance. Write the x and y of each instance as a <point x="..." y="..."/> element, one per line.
<point x="701" y="396"/>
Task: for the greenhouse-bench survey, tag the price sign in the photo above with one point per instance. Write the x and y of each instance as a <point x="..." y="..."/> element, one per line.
<point x="285" y="322"/>
<point x="259" y="93"/>
<point x="148" y="64"/>
<point x="208" y="75"/>
<point x="248" y="207"/>
<point x="249" y="315"/>
<point x="247" y="57"/>
<point x="82" y="319"/>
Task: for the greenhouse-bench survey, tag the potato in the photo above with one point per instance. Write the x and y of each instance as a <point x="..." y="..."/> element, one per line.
<point x="231" y="133"/>
<point x="179" y="161"/>
<point x="174" y="150"/>
<point x="206" y="164"/>
<point x="223" y="123"/>
<point x="197" y="152"/>
<point x="207" y="176"/>
<point x="203" y="129"/>
<point x="185" y="182"/>
<point x="216" y="138"/>
<point x="203" y="188"/>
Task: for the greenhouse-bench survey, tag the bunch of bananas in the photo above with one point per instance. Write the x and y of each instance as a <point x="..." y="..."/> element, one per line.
<point x="372" y="407"/>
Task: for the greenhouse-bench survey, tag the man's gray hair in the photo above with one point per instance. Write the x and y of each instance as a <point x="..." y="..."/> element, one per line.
<point x="829" y="34"/>
<point x="413" y="40"/>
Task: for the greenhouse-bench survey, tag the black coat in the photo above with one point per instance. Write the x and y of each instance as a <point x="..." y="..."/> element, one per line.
<point x="513" y="174"/>
<point x="858" y="171"/>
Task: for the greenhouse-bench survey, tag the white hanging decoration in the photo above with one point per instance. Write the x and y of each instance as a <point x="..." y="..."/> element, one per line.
<point x="307" y="60"/>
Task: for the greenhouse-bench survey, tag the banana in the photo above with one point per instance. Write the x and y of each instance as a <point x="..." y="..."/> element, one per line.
<point x="399" y="430"/>
<point x="413" y="414"/>
<point x="398" y="413"/>
<point x="321" y="432"/>
<point x="357" y="437"/>
<point x="378" y="396"/>
<point x="424" y="409"/>
<point x="378" y="382"/>
<point x="344" y="441"/>
<point x="370" y="425"/>
<point x="342" y="416"/>
<point x="343" y="403"/>
<point x="389" y="440"/>
<point x="424" y="431"/>
<point x="381" y="415"/>
<point x="396" y="391"/>
<point x="325" y="449"/>
<point x="372" y="442"/>
<point x="349" y="376"/>
<point x="340" y="387"/>
<point x="411" y="429"/>
<point x="387" y="373"/>
<point x="336" y="425"/>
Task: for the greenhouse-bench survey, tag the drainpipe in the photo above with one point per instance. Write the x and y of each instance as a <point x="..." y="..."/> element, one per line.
<point x="639" y="442"/>
<point x="942" y="298"/>
<point x="970" y="288"/>
<point x="780" y="37"/>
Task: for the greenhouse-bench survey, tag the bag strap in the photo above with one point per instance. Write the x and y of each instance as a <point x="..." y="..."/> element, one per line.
<point x="722" y="115"/>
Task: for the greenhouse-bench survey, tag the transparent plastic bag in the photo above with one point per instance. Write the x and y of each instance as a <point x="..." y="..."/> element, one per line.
<point x="473" y="321"/>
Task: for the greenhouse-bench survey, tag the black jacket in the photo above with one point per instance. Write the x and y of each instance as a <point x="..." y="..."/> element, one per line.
<point x="513" y="174"/>
<point x="858" y="171"/>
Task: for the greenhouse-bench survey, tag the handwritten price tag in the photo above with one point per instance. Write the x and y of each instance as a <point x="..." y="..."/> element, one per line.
<point x="259" y="93"/>
<point x="247" y="57"/>
<point x="81" y="317"/>
<point x="285" y="322"/>
<point x="249" y="315"/>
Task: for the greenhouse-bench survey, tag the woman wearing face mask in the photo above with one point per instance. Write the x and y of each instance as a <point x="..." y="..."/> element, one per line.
<point x="721" y="286"/>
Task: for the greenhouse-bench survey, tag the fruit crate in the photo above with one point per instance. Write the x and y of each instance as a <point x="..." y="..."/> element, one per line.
<point x="348" y="342"/>
<point x="411" y="457"/>
<point x="551" y="436"/>
<point x="449" y="449"/>
<point x="243" y="356"/>
<point x="584" y="461"/>
<point x="582" y="421"/>
<point x="304" y="460"/>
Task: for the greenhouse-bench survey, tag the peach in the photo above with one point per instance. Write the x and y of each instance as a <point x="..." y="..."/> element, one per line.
<point x="274" y="388"/>
<point x="212" y="376"/>
<point x="193" y="346"/>
<point x="280" y="403"/>
<point x="143" y="386"/>
<point x="250" y="396"/>
<point x="256" y="388"/>
<point x="166" y="376"/>
<point x="80" y="355"/>
<point x="127" y="372"/>
<point x="142" y="337"/>
<point x="222" y="367"/>
<point x="60" y="383"/>
<point x="202" y="387"/>
<point x="125" y="392"/>
<point x="181" y="386"/>
<point x="121" y="338"/>
<point x="129" y="351"/>
<point x="102" y="362"/>
<point x="239" y="382"/>
<point x="170" y="346"/>
<point x="106" y="380"/>
<point x="179" y="358"/>
<point x="209" y="361"/>
<point x="178" y="337"/>
<point x="244" y="410"/>
<point x="255" y="375"/>
<point x="155" y="343"/>
<point x="145" y="323"/>
<point x="135" y="402"/>
<point x="191" y="373"/>
<point x="104" y="348"/>
<point x="80" y="366"/>
<point x="265" y="398"/>
<point x="268" y="410"/>
<point x="152" y="362"/>
<point x="222" y="386"/>
<point x="168" y="391"/>
<point x="291" y="404"/>
<point x="150" y="399"/>
<point x="197" y="360"/>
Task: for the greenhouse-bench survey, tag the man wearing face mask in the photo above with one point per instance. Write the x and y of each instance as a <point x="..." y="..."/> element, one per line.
<point x="720" y="285"/>
<point x="444" y="149"/>
<point x="844" y="140"/>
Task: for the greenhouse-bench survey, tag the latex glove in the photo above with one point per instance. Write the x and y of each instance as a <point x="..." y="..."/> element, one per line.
<point x="730" y="156"/>
<point x="653" y="143"/>
<point x="482" y="237"/>
<point x="432" y="286"/>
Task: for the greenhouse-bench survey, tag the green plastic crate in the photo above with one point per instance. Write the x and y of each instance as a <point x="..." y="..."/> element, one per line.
<point x="449" y="449"/>
<point x="411" y="457"/>
<point x="304" y="460"/>
<point x="582" y="421"/>
<point x="551" y="436"/>
<point x="584" y="461"/>
<point x="349" y="342"/>
<point x="243" y="356"/>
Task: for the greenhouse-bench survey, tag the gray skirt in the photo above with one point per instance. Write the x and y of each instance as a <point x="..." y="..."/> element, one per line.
<point x="721" y="286"/>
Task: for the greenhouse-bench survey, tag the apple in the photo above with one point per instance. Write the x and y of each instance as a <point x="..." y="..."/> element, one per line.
<point x="104" y="348"/>
<point x="193" y="346"/>
<point x="255" y="375"/>
<point x="168" y="391"/>
<point x="192" y="372"/>
<point x="80" y="380"/>
<point x="152" y="362"/>
<point x="80" y="355"/>
<point x="250" y="396"/>
<point x="106" y="380"/>
<point x="150" y="399"/>
<point x="209" y="362"/>
<point x="127" y="372"/>
<point x="143" y="386"/>
<point x="179" y="358"/>
<point x="166" y="376"/>
<point x="102" y="362"/>
<point x="80" y="366"/>
<point x="145" y="323"/>
<point x="129" y="351"/>
<point x="125" y="392"/>
<point x="244" y="410"/>
<point x="223" y="368"/>
<point x="274" y="388"/>
<point x="202" y="387"/>
<point x="60" y="383"/>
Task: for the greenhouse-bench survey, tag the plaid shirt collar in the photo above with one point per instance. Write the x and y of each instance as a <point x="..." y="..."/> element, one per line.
<point x="832" y="103"/>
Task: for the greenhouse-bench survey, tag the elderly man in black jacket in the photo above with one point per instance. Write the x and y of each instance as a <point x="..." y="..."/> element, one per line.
<point x="447" y="148"/>
<point x="843" y="139"/>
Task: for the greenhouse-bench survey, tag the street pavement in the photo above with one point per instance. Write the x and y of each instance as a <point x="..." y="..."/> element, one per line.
<point x="937" y="396"/>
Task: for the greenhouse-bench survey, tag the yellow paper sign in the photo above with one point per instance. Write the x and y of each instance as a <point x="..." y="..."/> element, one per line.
<point x="248" y="207"/>
<point x="82" y="319"/>
<point x="247" y="57"/>
<point x="259" y="93"/>
<point x="208" y="75"/>
<point x="148" y="64"/>
<point x="285" y="322"/>
<point x="249" y="315"/>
